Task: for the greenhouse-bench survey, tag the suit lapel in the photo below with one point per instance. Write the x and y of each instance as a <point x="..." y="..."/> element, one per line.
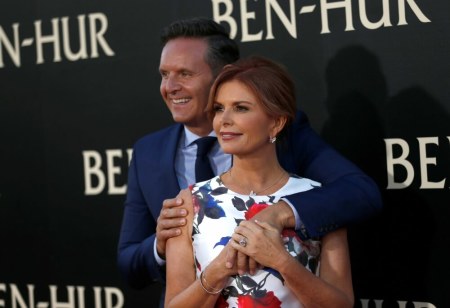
<point x="161" y="169"/>
<point x="168" y="153"/>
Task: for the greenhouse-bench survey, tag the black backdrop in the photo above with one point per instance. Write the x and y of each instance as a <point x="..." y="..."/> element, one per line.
<point x="79" y="84"/>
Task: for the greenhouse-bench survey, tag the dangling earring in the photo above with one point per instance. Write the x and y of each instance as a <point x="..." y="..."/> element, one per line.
<point x="272" y="139"/>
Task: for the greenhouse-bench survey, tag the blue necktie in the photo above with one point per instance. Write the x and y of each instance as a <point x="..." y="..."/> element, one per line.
<point x="203" y="169"/>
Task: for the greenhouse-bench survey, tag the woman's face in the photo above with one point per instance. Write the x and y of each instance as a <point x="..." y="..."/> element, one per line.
<point x="240" y="122"/>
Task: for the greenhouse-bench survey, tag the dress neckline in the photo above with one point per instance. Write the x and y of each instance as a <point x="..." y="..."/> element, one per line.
<point x="230" y="191"/>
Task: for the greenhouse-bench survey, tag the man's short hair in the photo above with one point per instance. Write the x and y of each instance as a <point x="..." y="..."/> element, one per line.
<point x="222" y="49"/>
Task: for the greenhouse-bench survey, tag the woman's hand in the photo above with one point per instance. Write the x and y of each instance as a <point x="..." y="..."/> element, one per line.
<point x="280" y="216"/>
<point x="260" y="241"/>
<point x="216" y="273"/>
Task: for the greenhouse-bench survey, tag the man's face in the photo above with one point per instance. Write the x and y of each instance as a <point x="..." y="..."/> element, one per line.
<point x="185" y="82"/>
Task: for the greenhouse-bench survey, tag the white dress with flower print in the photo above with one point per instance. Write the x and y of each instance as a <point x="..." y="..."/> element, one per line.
<point x="218" y="211"/>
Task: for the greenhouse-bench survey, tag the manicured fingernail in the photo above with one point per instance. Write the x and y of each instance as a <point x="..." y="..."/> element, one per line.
<point x="183" y="212"/>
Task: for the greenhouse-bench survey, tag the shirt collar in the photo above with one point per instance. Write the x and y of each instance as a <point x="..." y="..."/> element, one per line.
<point x="190" y="137"/>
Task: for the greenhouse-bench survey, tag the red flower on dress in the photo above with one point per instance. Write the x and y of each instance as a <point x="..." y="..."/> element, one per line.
<point x="196" y="204"/>
<point x="268" y="300"/>
<point x="221" y="303"/>
<point x="255" y="209"/>
<point x="291" y="233"/>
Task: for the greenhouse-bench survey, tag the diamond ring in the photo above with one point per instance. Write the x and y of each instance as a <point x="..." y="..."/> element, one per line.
<point x="243" y="242"/>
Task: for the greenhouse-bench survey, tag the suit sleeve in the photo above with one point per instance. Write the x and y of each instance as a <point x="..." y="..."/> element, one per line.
<point x="136" y="259"/>
<point x="347" y="194"/>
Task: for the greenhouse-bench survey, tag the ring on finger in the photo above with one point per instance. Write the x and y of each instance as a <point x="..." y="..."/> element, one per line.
<point x="243" y="241"/>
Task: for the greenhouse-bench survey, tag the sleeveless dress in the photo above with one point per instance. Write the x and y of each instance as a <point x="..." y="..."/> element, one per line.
<point x="217" y="212"/>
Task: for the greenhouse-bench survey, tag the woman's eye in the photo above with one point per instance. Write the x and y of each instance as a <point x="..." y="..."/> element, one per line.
<point x="217" y="108"/>
<point x="241" y="108"/>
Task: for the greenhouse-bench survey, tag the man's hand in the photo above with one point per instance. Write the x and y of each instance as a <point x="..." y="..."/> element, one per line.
<point x="279" y="216"/>
<point x="171" y="217"/>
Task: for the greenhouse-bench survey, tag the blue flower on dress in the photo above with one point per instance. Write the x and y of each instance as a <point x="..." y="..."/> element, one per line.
<point x="208" y="205"/>
<point x="223" y="241"/>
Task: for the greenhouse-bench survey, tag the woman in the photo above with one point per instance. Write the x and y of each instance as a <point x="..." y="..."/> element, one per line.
<point x="252" y="102"/>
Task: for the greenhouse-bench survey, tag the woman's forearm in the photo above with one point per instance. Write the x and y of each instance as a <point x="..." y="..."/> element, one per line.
<point x="311" y="290"/>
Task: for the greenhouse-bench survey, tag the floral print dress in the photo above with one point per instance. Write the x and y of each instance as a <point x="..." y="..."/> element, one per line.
<point x="217" y="212"/>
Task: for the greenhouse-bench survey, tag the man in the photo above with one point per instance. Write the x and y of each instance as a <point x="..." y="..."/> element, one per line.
<point x="193" y="53"/>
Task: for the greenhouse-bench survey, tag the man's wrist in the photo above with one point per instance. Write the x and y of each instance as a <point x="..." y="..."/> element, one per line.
<point x="286" y="214"/>
<point x="158" y="258"/>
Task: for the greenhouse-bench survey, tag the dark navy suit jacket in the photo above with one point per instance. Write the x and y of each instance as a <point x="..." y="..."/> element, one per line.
<point x="347" y="194"/>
